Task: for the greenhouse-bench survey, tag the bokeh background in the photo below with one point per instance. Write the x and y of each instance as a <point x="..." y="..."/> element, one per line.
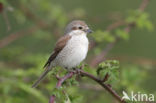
<point x="30" y="28"/>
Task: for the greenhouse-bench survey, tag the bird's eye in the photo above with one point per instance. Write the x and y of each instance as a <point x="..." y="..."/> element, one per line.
<point x="80" y="27"/>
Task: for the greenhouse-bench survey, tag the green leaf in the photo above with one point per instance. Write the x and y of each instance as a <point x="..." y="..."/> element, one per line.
<point x="101" y="36"/>
<point x="111" y="67"/>
<point x="122" y="34"/>
<point x="141" y="19"/>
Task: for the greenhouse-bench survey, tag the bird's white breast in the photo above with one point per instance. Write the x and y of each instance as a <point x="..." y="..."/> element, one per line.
<point x="74" y="52"/>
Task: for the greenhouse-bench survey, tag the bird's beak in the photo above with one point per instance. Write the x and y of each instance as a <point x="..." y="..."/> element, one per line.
<point x="89" y="31"/>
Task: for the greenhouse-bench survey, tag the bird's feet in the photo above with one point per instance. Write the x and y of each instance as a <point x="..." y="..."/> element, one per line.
<point x="75" y="70"/>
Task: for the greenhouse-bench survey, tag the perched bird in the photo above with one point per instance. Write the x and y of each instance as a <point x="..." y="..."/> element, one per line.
<point x="70" y="50"/>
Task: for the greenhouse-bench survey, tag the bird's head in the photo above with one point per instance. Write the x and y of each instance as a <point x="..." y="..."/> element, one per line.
<point x="77" y="26"/>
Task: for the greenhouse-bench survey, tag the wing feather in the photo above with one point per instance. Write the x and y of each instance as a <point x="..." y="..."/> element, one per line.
<point x="58" y="47"/>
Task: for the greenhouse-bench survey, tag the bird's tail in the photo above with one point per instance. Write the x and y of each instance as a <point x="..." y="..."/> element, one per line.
<point x="41" y="77"/>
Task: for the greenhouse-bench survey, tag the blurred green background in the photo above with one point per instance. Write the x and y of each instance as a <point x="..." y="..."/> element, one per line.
<point x="30" y="28"/>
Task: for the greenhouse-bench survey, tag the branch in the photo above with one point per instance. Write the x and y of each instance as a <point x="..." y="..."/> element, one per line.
<point x="52" y="99"/>
<point x="6" y="19"/>
<point x="107" y="87"/>
<point x="143" y="5"/>
<point x="101" y="57"/>
<point x="61" y="80"/>
<point x="1" y="7"/>
<point x="59" y="84"/>
<point x="12" y="37"/>
<point x="115" y="25"/>
<point x="90" y="76"/>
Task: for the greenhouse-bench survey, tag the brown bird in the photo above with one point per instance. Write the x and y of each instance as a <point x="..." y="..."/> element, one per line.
<point x="70" y="50"/>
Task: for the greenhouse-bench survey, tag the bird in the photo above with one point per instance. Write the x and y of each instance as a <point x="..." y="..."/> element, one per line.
<point x="70" y="50"/>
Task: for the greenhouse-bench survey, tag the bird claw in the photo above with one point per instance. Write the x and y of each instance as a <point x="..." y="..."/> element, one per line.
<point x="78" y="71"/>
<point x="75" y="70"/>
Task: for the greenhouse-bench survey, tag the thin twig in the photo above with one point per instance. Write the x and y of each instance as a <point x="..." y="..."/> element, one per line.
<point x="143" y="5"/>
<point x="59" y="84"/>
<point x="52" y="99"/>
<point x="6" y="19"/>
<point x="115" y="25"/>
<point x="1" y="7"/>
<point x="105" y="78"/>
<point x="61" y="80"/>
<point x="101" y="56"/>
<point x="12" y="37"/>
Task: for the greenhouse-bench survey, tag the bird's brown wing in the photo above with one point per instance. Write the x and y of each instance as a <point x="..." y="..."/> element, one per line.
<point x="59" y="46"/>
